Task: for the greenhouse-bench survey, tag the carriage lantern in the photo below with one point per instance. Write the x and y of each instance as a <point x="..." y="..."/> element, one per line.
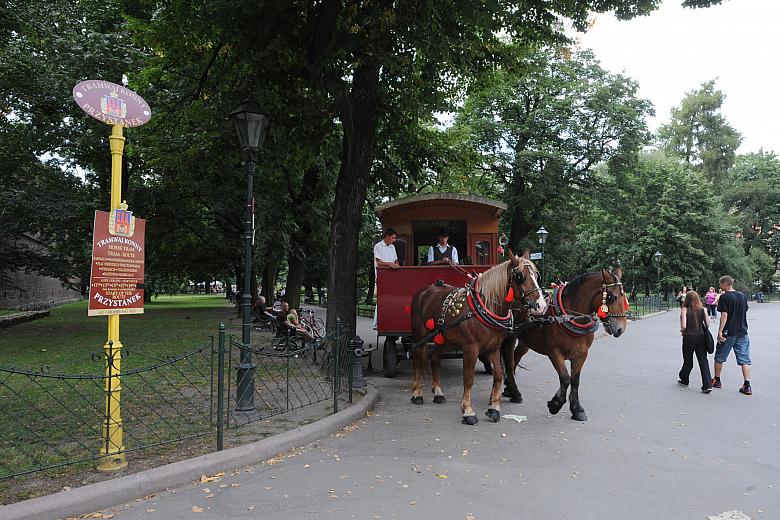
<point x="251" y="123"/>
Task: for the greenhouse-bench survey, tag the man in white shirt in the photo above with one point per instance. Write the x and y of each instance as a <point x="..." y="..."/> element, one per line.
<point x="384" y="251"/>
<point x="385" y="255"/>
<point x="442" y="253"/>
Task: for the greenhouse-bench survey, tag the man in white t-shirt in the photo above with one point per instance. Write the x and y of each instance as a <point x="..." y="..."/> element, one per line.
<point x="385" y="255"/>
<point x="384" y="251"/>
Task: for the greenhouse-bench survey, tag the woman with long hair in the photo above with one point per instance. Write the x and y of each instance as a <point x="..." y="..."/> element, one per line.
<point x="693" y="322"/>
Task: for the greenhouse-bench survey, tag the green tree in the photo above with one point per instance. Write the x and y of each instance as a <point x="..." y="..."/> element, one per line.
<point x="754" y="198"/>
<point x="543" y="124"/>
<point x="699" y="134"/>
<point x="661" y="204"/>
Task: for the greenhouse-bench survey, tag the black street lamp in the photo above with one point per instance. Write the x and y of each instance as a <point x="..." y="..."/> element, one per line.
<point x="542" y="234"/>
<point x="251" y="123"/>
<point x="657" y="257"/>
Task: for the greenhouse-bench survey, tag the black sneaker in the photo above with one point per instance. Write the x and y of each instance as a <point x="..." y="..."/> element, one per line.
<point x="681" y="383"/>
<point x="716" y="382"/>
<point x="746" y="390"/>
<point x="706" y="390"/>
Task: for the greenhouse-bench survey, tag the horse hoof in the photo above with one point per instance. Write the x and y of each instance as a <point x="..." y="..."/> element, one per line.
<point x="471" y="420"/>
<point x="553" y="407"/>
<point x="417" y="399"/>
<point x="438" y="399"/>
<point x="579" y="416"/>
<point x="493" y="415"/>
<point x="516" y="398"/>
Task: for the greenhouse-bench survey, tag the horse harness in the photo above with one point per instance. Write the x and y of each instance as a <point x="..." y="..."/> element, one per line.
<point x="455" y="300"/>
<point x="572" y="321"/>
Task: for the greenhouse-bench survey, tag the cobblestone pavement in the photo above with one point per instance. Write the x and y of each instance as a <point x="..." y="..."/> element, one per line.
<point x="650" y="450"/>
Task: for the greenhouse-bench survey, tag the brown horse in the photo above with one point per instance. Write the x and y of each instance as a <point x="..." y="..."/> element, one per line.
<point x="575" y="311"/>
<point x="476" y="318"/>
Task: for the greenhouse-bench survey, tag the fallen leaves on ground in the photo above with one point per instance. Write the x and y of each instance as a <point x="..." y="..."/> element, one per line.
<point x="196" y="509"/>
<point x="441" y="475"/>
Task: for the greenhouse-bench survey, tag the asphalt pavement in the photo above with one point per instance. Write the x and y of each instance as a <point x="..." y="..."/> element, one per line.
<point x="651" y="449"/>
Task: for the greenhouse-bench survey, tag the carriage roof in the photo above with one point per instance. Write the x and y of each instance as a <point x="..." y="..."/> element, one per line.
<point x="436" y="201"/>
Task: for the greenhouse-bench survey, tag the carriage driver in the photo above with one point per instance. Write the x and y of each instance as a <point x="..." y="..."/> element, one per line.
<point x="442" y="253"/>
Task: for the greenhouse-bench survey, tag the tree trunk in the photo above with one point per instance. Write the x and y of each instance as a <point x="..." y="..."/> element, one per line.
<point x="270" y="270"/>
<point x="296" y="260"/>
<point x="295" y="265"/>
<point x="359" y="115"/>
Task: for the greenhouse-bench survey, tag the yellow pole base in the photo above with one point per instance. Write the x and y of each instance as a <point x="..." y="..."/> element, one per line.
<point x="113" y="462"/>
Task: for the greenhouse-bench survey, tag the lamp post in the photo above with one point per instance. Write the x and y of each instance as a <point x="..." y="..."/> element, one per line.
<point x="657" y="257"/>
<point x="251" y="123"/>
<point x="542" y="234"/>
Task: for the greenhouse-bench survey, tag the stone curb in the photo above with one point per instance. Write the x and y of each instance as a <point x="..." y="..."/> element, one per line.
<point x="101" y="495"/>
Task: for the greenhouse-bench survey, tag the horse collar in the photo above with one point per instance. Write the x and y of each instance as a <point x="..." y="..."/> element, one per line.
<point x="566" y="321"/>
<point x="483" y="314"/>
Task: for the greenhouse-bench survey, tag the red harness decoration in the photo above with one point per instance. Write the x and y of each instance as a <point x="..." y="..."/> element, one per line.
<point x="571" y="327"/>
<point x="483" y="314"/>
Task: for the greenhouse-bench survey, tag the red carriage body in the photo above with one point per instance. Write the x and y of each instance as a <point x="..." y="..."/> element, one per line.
<point x="472" y="223"/>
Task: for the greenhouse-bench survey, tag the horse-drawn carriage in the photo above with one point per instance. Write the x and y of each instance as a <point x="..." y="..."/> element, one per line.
<point x="501" y="312"/>
<point x="472" y="224"/>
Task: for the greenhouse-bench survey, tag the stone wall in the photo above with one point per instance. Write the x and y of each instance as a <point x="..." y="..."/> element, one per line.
<point x="30" y="291"/>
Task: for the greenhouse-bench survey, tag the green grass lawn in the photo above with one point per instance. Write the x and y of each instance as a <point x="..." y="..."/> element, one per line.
<point x="5" y="312"/>
<point x="169" y="325"/>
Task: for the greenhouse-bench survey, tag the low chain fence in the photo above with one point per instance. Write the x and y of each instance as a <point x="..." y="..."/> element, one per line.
<point x="104" y="407"/>
<point x="51" y="419"/>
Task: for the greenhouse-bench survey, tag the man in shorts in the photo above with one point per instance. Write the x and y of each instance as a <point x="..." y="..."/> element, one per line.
<point x="733" y="333"/>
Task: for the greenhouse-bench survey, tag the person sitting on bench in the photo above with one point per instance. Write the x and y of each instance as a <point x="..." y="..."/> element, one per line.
<point x="442" y="252"/>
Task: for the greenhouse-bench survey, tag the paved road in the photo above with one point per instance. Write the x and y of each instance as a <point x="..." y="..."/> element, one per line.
<point x="650" y="450"/>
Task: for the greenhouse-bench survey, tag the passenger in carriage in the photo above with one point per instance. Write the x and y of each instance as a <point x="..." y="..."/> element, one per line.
<point x="442" y="252"/>
<point x="385" y="255"/>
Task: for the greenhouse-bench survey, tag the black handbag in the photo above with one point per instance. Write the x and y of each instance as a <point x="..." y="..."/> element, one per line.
<point x="708" y="339"/>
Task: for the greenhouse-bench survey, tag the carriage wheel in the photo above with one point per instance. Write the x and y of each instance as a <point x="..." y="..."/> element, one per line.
<point x="390" y="358"/>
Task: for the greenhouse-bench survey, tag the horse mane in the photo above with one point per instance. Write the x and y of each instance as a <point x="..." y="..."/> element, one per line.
<point x="494" y="282"/>
<point x="578" y="282"/>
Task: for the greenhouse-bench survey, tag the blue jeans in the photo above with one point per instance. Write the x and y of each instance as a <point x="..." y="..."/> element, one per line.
<point x="741" y="346"/>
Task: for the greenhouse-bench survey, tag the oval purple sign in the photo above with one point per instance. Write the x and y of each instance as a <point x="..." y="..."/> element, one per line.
<point x="111" y="103"/>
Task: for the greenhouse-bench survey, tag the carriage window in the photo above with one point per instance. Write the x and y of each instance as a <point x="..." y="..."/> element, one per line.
<point x="483" y="252"/>
<point x="400" y="250"/>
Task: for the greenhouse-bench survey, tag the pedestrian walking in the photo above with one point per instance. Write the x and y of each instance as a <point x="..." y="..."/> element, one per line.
<point x="710" y="299"/>
<point x="681" y="295"/>
<point x="693" y="325"/>
<point x="733" y="333"/>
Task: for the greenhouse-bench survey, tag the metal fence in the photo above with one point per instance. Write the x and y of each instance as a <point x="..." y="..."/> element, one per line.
<point x="641" y="306"/>
<point x="53" y="418"/>
<point x="288" y="374"/>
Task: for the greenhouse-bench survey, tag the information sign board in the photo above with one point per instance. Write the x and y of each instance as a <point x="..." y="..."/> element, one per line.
<point x="117" y="282"/>
<point x="111" y="103"/>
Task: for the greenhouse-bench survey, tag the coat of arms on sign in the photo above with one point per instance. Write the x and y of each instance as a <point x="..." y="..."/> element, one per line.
<point x="121" y="222"/>
<point x="111" y="105"/>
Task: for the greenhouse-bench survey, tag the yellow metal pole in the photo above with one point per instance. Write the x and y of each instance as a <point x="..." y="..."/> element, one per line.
<point x="112" y="455"/>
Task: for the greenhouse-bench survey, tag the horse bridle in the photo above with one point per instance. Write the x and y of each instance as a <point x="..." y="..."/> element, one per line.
<point x="525" y="303"/>
<point x="603" y="311"/>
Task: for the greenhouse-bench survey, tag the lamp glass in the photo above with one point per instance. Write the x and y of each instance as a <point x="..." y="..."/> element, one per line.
<point x="251" y="123"/>
<point x="542" y="234"/>
<point x="657" y="256"/>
